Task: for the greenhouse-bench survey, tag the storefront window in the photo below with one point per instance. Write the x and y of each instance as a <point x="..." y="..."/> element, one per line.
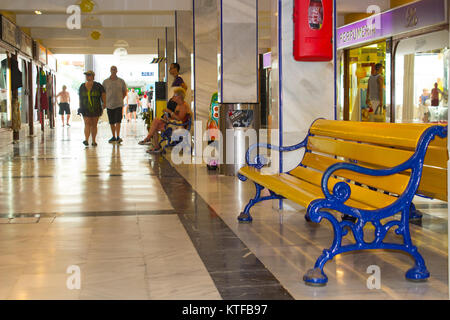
<point x="5" y="96"/>
<point x="363" y="77"/>
<point x="421" y="86"/>
<point x="340" y="86"/>
<point x="23" y="98"/>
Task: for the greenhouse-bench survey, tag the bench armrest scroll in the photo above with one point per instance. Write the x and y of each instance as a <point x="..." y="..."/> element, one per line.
<point x="259" y="161"/>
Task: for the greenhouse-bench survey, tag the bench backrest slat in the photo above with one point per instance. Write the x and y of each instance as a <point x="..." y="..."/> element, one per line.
<point x="378" y="145"/>
<point x="404" y="135"/>
<point x="395" y="184"/>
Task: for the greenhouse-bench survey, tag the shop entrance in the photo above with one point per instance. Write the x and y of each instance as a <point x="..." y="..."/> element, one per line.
<point x="361" y="65"/>
<point x="421" y="78"/>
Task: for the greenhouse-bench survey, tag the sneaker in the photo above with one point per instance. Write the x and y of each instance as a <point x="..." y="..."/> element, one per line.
<point x="68" y="125"/>
<point x="119" y="140"/>
<point x="112" y="140"/>
<point x="86" y="143"/>
<point x="94" y="144"/>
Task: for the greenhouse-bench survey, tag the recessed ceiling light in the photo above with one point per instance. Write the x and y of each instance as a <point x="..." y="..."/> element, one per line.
<point x="38" y="12"/>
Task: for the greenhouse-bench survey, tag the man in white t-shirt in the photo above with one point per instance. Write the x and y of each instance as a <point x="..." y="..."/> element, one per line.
<point x="116" y="91"/>
<point x="133" y="100"/>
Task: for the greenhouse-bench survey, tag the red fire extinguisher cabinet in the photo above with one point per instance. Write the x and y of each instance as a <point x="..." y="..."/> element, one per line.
<point x="313" y="30"/>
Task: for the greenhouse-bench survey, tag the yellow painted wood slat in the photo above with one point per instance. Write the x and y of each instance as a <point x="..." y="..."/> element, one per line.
<point x="292" y="188"/>
<point x="388" y="134"/>
<point x="433" y="183"/>
<point x="377" y="155"/>
<point x="394" y="184"/>
<point x="360" y="194"/>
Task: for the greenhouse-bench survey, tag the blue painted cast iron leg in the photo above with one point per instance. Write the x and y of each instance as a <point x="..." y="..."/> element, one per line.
<point x="245" y="215"/>
<point x="414" y="214"/>
<point x="419" y="272"/>
<point x="316" y="276"/>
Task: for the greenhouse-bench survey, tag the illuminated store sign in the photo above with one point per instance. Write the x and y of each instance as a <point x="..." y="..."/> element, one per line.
<point x="407" y="18"/>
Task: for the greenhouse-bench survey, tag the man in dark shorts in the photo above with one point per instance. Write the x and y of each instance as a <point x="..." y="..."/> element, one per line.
<point x="116" y="91"/>
<point x="133" y="100"/>
<point x="64" y="104"/>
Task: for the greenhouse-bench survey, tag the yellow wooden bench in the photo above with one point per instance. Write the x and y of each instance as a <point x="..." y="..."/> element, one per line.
<point x="371" y="171"/>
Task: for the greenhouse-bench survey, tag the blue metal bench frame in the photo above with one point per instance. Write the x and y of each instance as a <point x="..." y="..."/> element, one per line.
<point x="166" y="135"/>
<point x="318" y="209"/>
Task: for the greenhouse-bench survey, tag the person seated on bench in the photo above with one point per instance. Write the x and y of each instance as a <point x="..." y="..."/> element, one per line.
<point x="180" y="114"/>
<point x="171" y="106"/>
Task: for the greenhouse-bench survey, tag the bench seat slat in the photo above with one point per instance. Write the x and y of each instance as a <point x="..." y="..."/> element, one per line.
<point x="394" y="184"/>
<point x="360" y="194"/>
<point x="292" y="188"/>
<point x="434" y="183"/>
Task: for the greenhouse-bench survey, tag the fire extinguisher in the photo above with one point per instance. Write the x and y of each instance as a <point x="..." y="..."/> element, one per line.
<point x="313" y="30"/>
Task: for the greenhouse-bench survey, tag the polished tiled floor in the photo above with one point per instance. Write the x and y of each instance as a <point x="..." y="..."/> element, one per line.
<point x="139" y="229"/>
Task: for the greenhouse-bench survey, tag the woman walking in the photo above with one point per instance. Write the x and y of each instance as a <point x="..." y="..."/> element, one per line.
<point x="91" y="96"/>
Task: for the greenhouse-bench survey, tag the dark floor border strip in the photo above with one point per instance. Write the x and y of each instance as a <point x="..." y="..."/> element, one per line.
<point x="235" y="270"/>
<point x="89" y="214"/>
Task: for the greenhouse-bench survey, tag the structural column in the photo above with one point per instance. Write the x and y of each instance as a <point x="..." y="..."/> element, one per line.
<point x="301" y="91"/>
<point x="238" y="81"/>
<point x="205" y="30"/>
<point x="184" y="50"/>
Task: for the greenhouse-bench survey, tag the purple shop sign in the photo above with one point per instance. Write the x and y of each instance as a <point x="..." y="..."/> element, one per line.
<point x="267" y="60"/>
<point x="406" y="18"/>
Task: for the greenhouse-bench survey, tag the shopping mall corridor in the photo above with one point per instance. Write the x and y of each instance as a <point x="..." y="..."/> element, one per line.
<point x="136" y="226"/>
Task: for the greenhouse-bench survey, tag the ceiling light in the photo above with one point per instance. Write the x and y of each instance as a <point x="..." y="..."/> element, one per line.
<point x="120" y="52"/>
<point x="38" y="12"/>
<point x="121" y="43"/>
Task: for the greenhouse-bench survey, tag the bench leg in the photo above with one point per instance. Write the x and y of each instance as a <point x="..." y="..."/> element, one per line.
<point x="245" y="217"/>
<point x="317" y="277"/>
<point x="419" y="272"/>
<point x="414" y="214"/>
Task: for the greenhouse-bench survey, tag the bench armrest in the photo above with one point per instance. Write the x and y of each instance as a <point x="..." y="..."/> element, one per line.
<point x="259" y="161"/>
<point x="341" y="190"/>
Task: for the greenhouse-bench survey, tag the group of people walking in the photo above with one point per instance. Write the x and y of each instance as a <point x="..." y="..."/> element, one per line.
<point x="111" y="95"/>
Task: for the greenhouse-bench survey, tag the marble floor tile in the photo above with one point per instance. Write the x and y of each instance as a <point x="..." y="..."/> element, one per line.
<point x="43" y="287"/>
<point x="288" y="245"/>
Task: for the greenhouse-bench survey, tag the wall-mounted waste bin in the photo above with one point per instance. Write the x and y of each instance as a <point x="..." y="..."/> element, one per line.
<point x="238" y="118"/>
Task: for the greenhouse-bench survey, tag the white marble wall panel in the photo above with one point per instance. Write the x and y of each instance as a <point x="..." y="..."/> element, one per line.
<point x="184" y="48"/>
<point x="170" y="52"/>
<point x="239" y="50"/>
<point x="206" y="40"/>
<point x="307" y="91"/>
<point x="162" y="54"/>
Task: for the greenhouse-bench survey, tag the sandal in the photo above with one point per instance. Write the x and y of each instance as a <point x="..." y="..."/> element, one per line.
<point x="154" y="150"/>
<point x="144" y="142"/>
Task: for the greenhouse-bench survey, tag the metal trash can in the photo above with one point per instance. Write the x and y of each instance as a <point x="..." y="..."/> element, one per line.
<point x="238" y="118"/>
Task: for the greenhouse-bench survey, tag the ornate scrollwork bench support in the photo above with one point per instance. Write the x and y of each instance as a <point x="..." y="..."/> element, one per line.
<point x="319" y="209"/>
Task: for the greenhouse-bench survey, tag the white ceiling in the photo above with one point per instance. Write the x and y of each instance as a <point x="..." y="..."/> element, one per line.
<point x="138" y="22"/>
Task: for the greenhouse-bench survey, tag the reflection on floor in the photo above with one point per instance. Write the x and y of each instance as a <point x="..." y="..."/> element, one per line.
<point x="139" y="229"/>
<point x="288" y="245"/>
